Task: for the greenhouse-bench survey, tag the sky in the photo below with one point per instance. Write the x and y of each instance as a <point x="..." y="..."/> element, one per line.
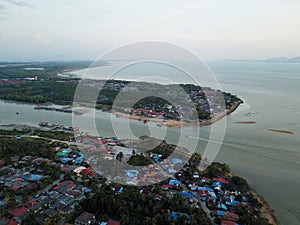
<point x="213" y="29"/>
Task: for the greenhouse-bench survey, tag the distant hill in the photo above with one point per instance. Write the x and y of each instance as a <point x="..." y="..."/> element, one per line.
<point x="296" y="59"/>
<point x="283" y="60"/>
<point x="271" y="60"/>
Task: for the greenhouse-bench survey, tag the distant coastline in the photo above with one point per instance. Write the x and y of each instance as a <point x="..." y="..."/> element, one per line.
<point x="269" y="60"/>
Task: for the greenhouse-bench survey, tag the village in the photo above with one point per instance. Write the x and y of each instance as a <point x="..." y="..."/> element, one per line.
<point x="52" y="188"/>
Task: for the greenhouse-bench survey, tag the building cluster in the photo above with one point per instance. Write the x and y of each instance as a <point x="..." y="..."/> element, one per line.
<point x="86" y="218"/>
<point x="21" y="179"/>
<point x="213" y="194"/>
<point x="62" y="196"/>
<point x="25" y="176"/>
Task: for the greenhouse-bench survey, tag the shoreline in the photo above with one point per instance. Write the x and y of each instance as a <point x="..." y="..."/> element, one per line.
<point x="174" y="123"/>
<point x="266" y="209"/>
<point x="222" y="115"/>
<point x="159" y="121"/>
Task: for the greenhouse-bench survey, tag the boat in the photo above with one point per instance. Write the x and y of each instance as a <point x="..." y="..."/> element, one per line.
<point x="43" y="124"/>
<point x="78" y="112"/>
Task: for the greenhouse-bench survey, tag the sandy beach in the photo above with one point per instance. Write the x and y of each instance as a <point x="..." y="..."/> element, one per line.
<point x="266" y="210"/>
<point x="245" y="122"/>
<point x="281" y="131"/>
<point x="174" y="123"/>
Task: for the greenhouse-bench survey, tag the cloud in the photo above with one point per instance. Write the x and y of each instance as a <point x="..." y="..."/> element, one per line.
<point x="19" y="3"/>
<point x="2" y="7"/>
<point x="4" y="39"/>
<point x="42" y="39"/>
<point x="4" y="18"/>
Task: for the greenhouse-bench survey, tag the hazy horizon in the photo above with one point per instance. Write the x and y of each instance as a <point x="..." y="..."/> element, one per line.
<point x="31" y="30"/>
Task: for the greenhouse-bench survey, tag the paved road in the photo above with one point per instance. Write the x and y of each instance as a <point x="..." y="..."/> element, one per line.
<point x="202" y="204"/>
<point x="61" y="178"/>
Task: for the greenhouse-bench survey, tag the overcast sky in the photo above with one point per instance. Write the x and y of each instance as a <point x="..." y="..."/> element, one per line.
<point x="213" y="29"/>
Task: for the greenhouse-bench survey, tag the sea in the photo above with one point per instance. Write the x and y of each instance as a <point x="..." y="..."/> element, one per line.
<point x="270" y="161"/>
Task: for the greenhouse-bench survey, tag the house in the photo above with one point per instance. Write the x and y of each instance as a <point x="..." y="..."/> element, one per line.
<point x="49" y="212"/>
<point x="85" y="218"/>
<point x="113" y="222"/>
<point x="65" y="200"/>
<point x="203" y="195"/>
<point x="44" y="200"/>
<point x="174" y="183"/>
<point x="225" y="222"/>
<point x="147" y="189"/>
<point x="174" y="216"/>
<point x="32" y="205"/>
<point x="158" y="197"/>
<point x="176" y="161"/>
<point x="221" y="180"/>
<point x="78" y="195"/>
<point x="89" y="172"/>
<point x="186" y="194"/>
<point x="18" y="137"/>
<point x="205" y="180"/>
<point x="14" y="187"/>
<point x="17" y="212"/>
<point x="5" y="221"/>
<point x="225" y="215"/>
<point x="63" y="186"/>
<point x="166" y="187"/>
<point x="118" y="189"/>
<point x="2" y="163"/>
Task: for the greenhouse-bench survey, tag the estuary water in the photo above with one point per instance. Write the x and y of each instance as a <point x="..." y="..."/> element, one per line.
<point x="269" y="161"/>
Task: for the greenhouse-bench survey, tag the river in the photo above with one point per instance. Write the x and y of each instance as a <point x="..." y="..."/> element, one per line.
<point x="269" y="161"/>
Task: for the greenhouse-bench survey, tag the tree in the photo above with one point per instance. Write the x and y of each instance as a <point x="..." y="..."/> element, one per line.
<point x="195" y="160"/>
<point x="120" y="156"/>
<point x="241" y="183"/>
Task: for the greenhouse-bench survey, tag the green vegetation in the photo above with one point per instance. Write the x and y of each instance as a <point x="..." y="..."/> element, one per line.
<point x="129" y="207"/>
<point x="55" y="91"/>
<point x="139" y="160"/>
<point x="51" y="69"/>
<point x="195" y="160"/>
<point x="241" y="183"/>
<point x="55" y="135"/>
<point x="26" y="146"/>
<point x="15" y="131"/>
<point x="164" y="149"/>
<point x="218" y="169"/>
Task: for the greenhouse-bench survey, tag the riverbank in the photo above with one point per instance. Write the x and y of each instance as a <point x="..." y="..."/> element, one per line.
<point x="266" y="209"/>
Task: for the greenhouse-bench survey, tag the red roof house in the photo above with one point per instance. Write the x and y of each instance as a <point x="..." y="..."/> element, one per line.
<point x="8" y="221"/>
<point x="221" y="180"/>
<point x="18" y="211"/>
<point x="225" y="222"/>
<point x="15" y="187"/>
<point x="31" y="204"/>
<point x="113" y="222"/>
